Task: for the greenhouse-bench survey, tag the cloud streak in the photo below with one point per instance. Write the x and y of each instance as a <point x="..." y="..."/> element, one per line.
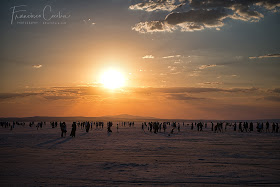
<point x="193" y="90"/>
<point x="82" y="94"/>
<point x="183" y="97"/>
<point x="207" y="66"/>
<point x="4" y="96"/>
<point x="172" y="56"/>
<point x="148" y="57"/>
<point x="266" y="56"/>
<point x="37" y="66"/>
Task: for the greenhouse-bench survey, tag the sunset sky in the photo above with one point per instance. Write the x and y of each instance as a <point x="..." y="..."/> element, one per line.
<point x="187" y="59"/>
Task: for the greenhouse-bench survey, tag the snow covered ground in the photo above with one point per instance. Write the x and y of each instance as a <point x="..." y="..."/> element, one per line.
<point x="41" y="157"/>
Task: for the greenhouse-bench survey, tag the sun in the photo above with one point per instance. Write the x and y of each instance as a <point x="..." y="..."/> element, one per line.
<point x="112" y="79"/>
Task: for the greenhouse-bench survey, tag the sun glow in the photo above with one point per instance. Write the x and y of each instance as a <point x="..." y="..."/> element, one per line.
<point x="112" y="79"/>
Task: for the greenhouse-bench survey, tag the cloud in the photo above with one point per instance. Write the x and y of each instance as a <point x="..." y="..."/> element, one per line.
<point x="211" y="83"/>
<point x="168" y="57"/>
<point x="4" y="96"/>
<point x="207" y="66"/>
<point x="196" y="15"/>
<point x="148" y="56"/>
<point x="37" y="66"/>
<point x="155" y="5"/>
<point x="59" y="97"/>
<point x="178" y="90"/>
<point x="99" y="93"/>
<point x="269" y="5"/>
<point x="172" y="68"/>
<point x="244" y="13"/>
<point x="152" y="26"/>
<point x="176" y="73"/>
<point x="266" y="56"/>
<point x="183" y="97"/>
<point x="172" y="56"/>
<point x="55" y="93"/>
<point x="197" y="19"/>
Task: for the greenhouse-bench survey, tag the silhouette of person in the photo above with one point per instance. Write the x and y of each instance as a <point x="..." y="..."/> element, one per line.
<point x="251" y="127"/>
<point x="110" y="124"/>
<point x="73" y="131"/>
<point x="273" y="127"/>
<point x="63" y="129"/>
<point x="267" y="127"/>
<point x="87" y="126"/>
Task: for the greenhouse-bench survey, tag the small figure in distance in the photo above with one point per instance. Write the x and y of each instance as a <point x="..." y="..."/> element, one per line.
<point x="87" y="126"/>
<point x="63" y="129"/>
<point x="109" y="125"/>
<point x="73" y="131"/>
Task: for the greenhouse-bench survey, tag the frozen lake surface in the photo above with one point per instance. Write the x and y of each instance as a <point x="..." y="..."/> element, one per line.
<point x="41" y="157"/>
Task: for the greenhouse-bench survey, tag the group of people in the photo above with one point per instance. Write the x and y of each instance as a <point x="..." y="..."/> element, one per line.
<point x="156" y="126"/>
<point x="87" y="125"/>
<point x="275" y="127"/>
<point x="219" y="127"/>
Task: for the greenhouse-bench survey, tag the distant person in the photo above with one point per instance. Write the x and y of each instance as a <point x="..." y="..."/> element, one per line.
<point x="200" y="127"/>
<point x="267" y="127"/>
<point x="259" y="127"/>
<point x="73" y="131"/>
<point x="273" y="127"/>
<point x="63" y="129"/>
<point x="87" y="126"/>
<point x="109" y="125"/>
<point x="151" y="126"/>
<point x="164" y="127"/>
<point x="245" y="126"/>
<point x="240" y="127"/>
<point x="251" y="127"/>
